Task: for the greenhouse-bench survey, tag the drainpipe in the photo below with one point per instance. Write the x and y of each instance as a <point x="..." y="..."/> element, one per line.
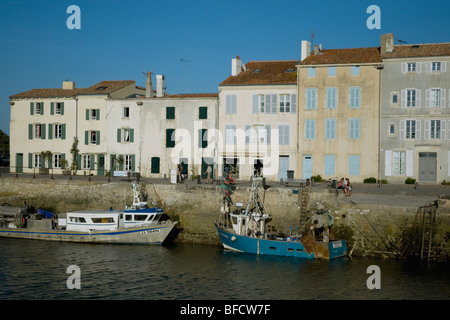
<point x="379" y="68"/>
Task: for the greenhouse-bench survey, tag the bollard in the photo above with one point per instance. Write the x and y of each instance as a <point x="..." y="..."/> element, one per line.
<point x="199" y="180"/>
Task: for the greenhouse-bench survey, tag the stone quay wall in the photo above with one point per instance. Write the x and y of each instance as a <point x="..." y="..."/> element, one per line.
<point x="371" y="225"/>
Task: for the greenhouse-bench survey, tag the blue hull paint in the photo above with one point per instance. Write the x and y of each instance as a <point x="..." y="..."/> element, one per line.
<point x="277" y="247"/>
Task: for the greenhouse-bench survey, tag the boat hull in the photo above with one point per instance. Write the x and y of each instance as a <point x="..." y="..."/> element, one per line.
<point x="330" y="250"/>
<point x="140" y="235"/>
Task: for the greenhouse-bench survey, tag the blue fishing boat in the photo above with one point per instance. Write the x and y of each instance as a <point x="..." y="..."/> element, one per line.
<point x="245" y="229"/>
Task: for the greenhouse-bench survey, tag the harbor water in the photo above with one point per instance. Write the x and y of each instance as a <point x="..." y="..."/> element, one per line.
<point x="31" y="270"/>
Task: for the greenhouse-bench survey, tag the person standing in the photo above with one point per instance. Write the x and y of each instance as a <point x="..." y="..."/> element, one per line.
<point x="208" y="173"/>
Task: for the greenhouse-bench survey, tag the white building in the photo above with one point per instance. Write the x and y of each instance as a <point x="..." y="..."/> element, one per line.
<point x="258" y="119"/>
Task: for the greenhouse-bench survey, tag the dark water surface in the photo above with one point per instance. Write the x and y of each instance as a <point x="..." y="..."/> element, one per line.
<point x="32" y="270"/>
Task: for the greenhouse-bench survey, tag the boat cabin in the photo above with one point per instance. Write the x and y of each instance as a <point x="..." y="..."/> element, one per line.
<point x="92" y="220"/>
<point x="134" y="218"/>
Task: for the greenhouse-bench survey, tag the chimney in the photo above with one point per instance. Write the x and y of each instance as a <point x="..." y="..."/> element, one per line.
<point x="387" y="43"/>
<point x="68" y="85"/>
<point x="159" y="86"/>
<point x="236" y="66"/>
<point x="148" y="86"/>
<point x="306" y="49"/>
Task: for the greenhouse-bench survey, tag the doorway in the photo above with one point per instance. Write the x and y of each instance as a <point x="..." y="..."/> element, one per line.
<point x="427" y="166"/>
<point x="307" y="167"/>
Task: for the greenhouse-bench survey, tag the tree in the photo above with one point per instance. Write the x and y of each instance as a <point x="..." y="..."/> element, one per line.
<point x="74" y="151"/>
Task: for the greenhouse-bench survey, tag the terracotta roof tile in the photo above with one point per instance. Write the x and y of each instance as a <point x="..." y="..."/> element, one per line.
<point x="193" y="95"/>
<point x="264" y="73"/>
<point x="344" y="56"/>
<point x="419" y="50"/>
<point x="103" y="87"/>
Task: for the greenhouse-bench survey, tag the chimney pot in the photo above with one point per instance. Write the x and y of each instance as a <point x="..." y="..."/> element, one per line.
<point x="387" y="43"/>
<point x="236" y="66"/>
<point x="148" y="86"/>
<point x="68" y="85"/>
<point x="306" y="49"/>
<point x="160" y="86"/>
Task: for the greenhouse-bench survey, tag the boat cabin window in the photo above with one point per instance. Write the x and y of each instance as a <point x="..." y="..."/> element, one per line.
<point x="128" y="217"/>
<point x="140" y="217"/>
<point x="77" y="219"/>
<point x="103" y="220"/>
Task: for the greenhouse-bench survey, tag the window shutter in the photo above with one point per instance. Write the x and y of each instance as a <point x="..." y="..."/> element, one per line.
<point x="203" y="112"/>
<point x="268" y="102"/>
<point x="418" y="129"/>
<point x="274" y="103"/>
<point x="155" y="165"/>
<point x="293" y="103"/>
<point x="86" y="137"/>
<point x="428" y="66"/>
<point x="131" y="135"/>
<point x="402" y="130"/>
<point x="98" y="137"/>
<point x="387" y="163"/>
<point x="170" y="138"/>
<point x="121" y="163"/>
<point x="43" y="131"/>
<point x="119" y="134"/>
<point x="443" y="91"/>
<point x="30" y="160"/>
<point x="63" y="131"/>
<point x="92" y="161"/>
<point x="404" y="67"/>
<point x="50" y="161"/>
<point x="98" y="114"/>
<point x="426" y="129"/>
<point x="448" y="134"/>
<point x="418" y="67"/>
<point x="62" y="108"/>
<point x="443" y="130"/>
<point x="418" y="98"/>
<point x="427" y="98"/>
<point x="403" y="98"/>
<point x="42" y="164"/>
<point x="443" y="66"/>
<point x="87" y="114"/>
<point x="31" y="108"/>
<point x="42" y="108"/>
<point x="409" y="163"/>
<point x="30" y="131"/>
<point x="52" y="108"/>
<point x="50" y="131"/>
<point x="133" y="161"/>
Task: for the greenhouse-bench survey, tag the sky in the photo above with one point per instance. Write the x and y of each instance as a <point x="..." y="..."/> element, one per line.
<point x="190" y="42"/>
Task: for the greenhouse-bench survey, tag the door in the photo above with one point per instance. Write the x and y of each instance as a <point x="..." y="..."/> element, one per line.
<point x="205" y="163"/>
<point x="307" y="167"/>
<point x="427" y="166"/>
<point x="185" y="163"/>
<point x="19" y="162"/>
<point x="283" y="168"/>
<point x="101" y="165"/>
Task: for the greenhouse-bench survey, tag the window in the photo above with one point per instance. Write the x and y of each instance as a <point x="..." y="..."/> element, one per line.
<point x="332" y="71"/>
<point x="283" y="134"/>
<point x="411" y="67"/>
<point x="93" y="137"/>
<point x="202" y="138"/>
<point x="86" y="164"/>
<point x="170" y="138"/>
<point x="170" y="113"/>
<point x="285" y="103"/>
<point x="310" y="129"/>
<point x="355" y="71"/>
<point x="58" y="131"/>
<point x="311" y="72"/>
<point x="435" y="98"/>
<point x="261" y="103"/>
<point x="331" y="98"/>
<point x="202" y="113"/>
<point x="410" y="129"/>
<point x="355" y="97"/>
<point x="129" y="162"/>
<point x="354" y="129"/>
<point x="57" y="161"/>
<point x="125" y="135"/>
<point x="394" y="98"/>
<point x="435" y="66"/>
<point x="398" y="163"/>
<point x="155" y="165"/>
<point x="230" y="134"/>
<point x="231" y="104"/>
<point x="435" y="129"/>
<point x="411" y="98"/>
<point x="330" y="129"/>
<point x="391" y="129"/>
<point x="37" y="160"/>
<point x="311" y="98"/>
<point x="93" y="114"/>
<point x="58" y="108"/>
<point x="39" y="131"/>
<point x="39" y="109"/>
<point x="126" y="112"/>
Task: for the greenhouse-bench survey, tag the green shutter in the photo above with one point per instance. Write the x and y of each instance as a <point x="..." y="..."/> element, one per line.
<point x="42" y="161"/>
<point x="31" y="108"/>
<point x="78" y="161"/>
<point x="170" y="112"/>
<point x="131" y="135"/>
<point x="98" y="137"/>
<point x="52" y="108"/>
<point x="92" y="161"/>
<point x="121" y="164"/>
<point x="169" y="142"/>
<point x="50" y="131"/>
<point x="155" y="165"/>
<point x="50" y="164"/>
<point x="87" y="114"/>
<point x="63" y="131"/>
<point x="112" y="164"/>
<point x="133" y="161"/>
<point x="30" y="160"/>
<point x="98" y="114"/>
<point x="43" y="131"/>
<point x="86" y="137"/>
<point x="42" y="108"/>
<point x="119" y="135"/>
<point x="30" y="131"/>
<point x="62" y="108"/>
<point x="203" y="113"/>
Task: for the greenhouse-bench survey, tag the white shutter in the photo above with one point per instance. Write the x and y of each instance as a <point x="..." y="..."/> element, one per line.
<point x="448" y="129"/>
<point x="247" y="134"/>
<point x="443" y="66"/>
<point x="418" y="64"/>
<point x="418" y="129"/>
<point x="426" y="129"/>
<point x="448" y="161"/>
<point x="255" y="104"/>
<point x="404" y="67"/>
<point x="402" y="129"/>
<point x="293" y="103"/>
<point x="443" y="130"/>
<point x="443" y="91"/>
<point x="403" y="97"/>
<point x="409" y="163"/>
<point x="428" y="66"/>
<point x="418" y="98"/>
<point x="387" y="163"/>
<point x="427" y="98"/>
<point x="268" y="103"/>
<point x="268" y="134"/>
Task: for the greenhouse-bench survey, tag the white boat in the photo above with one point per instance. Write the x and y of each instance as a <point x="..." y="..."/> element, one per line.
<point x="134" y="225"/>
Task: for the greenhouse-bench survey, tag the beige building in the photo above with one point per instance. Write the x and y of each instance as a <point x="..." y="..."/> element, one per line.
<point x="258" y="119"/>
<point x="45" y="122"/>
<point x="338" y="99"/>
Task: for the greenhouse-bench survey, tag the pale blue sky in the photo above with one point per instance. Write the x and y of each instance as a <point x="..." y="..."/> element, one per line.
<point x="119" y="40"/>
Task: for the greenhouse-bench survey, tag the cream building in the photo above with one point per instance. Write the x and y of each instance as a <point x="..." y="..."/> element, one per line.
<point x="338" y="99"/>
<point x="258" y="119"/>
<point x="45" y="122"/>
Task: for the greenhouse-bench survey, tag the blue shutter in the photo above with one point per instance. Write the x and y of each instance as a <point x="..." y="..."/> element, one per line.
<point x="329" y="165"/>
<point x="353" y="165"/>
<point x="255" y="104"/>
<point x="268" y="138"/>
<point x="293" y="103"/>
